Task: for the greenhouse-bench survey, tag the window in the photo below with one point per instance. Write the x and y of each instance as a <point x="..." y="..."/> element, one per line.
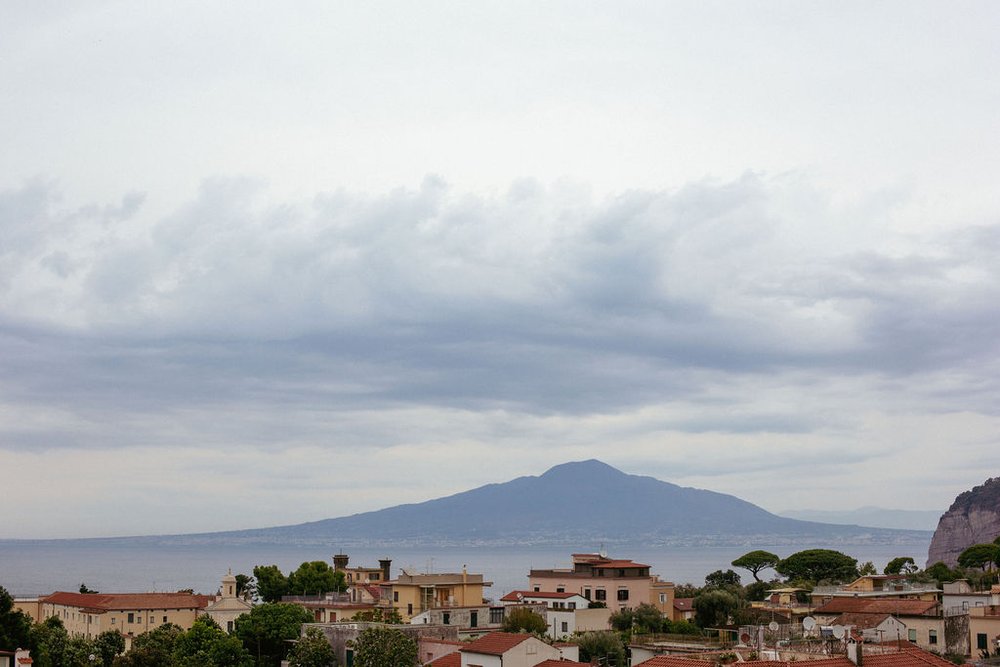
<point x="496" y="615"/>
<point x="131" y="617"/>
<point x="981" y="641"/>
<point x="586" y="593"/>
<point x="409" y="609"/>
<point x="165" y="620"/>
<point x="621" y="573"/>
<point x="600" y="594"/>
<point x="537" y="589"/>
<point x="911" y="634"/>
<point x="395" y="596"/>
<point x="113" y="619"/>
<point x="446" y="618"/>
<point x="560" y="589"/>
<point x="473" y="619"/>
<point x="572" y="605"/>
<point x="932" y="636"/>
<point x="663" y="598"/>
<point x="565" y="627"/>
<point x="229" y="625"/>
<point x="623" y="594"/>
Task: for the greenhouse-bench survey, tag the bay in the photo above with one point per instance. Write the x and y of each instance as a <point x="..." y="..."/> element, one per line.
<point x="40" y="567"/>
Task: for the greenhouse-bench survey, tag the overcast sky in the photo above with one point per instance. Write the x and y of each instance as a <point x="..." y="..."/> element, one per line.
<point x="264" y="263"/>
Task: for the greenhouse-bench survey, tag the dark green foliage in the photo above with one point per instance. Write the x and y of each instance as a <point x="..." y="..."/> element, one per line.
<point x="983" y="556"/>
<point x="720" y="579"/>
<point x="246" y="587"/>
<point x="315" y="578"/>
<point x="686" y="591"/>
<point x="819" y="565"/>
<point x="108" y="645"/>
<point x="15" y="626"/>
<point x="381" y="646"/>
<point x="941" y="573"/>
<point x="152" y="649"/>
<point x="643" y="619"/>
<point x="520" y="619"/>
<point x="48" y="642"/>
<point x="207" y="645"/>
<point x="380" y="615"/>
<point x="900" y="565"/>
<point x="867" y="568"/>
<point x="758" y="590"/>
<point x="265" y="631"/>
<point x="606" y="646"/>
<point x="84" y="589"/>
<point x="312" y="650"/>
<point x="713" y="608"/>
<point x="755" y="561"/>
<point x="271" y="583"/>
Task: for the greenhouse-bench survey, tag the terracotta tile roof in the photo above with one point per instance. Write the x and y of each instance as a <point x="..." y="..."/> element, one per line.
<point x="513" y="595"/>
<point x="863" y="621"/>
<point x="103" y="602"/>
<point x="876" y="606"/>
<point x="683" y="604"/>
<point x="449" y="660"/>
<point x="496" y="643"/>
<point x="909" y="656"/>
<point x="677" y="661"/>
<point x="561" y="663"/>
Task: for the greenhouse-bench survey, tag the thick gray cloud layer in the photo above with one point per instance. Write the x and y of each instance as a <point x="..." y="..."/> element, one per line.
<point x="755" y="252"/>
<point x="347" y="322"/>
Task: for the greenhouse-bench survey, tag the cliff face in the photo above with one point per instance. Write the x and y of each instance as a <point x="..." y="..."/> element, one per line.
<point x="973" y="518"/>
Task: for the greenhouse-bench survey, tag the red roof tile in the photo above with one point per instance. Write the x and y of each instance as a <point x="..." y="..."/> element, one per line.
<point x="684" y="604"/>
<point x="879" y="606"/>
<point x="102" y="602"/>
<point x="449" y="660"/>
<point x="619" y="564"/>
<point x="677" y="661"/>
<point x="863" y="621"/>
<point x="496" y="643"/>
<point x="561" y="663"/>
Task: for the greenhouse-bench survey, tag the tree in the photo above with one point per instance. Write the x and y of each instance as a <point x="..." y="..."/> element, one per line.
<point x="900" y="565"/>
<point x="207" y="645"/>
<point x="817" y="565"/>
<point x="15" y="625"/>
<point x="48" y="642"/>
<point x="867" y="568"/>
<point x="312" y="650"/>
<point x="644" y="618"/>
<point x="983" y="556"/>
<point x="382" y="646"/>
<point x="246" y="587"/>
<point x="84" y="589"/>
<point x="755" y="561"/>
<point x="522" y="619"/>
<point x="316" y="577"/>
<point x="720" y="579"/>
<point x="941" y="573"/>
<point x="605" y="646"/>
<point x="109" y="644"/>
<point x="267" y="629"/>
<point x="152" y="649"/>
<point x="712" y="608"/>
<point x="271" y="583"/>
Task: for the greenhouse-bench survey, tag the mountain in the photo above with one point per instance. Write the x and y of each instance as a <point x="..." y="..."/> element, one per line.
<point x="973" y="518"/>
<point x="876" y="517"/>
<point x="573" y="503"/>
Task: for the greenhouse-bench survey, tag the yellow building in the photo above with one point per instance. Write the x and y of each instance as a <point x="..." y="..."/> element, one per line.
<point x="411" y="594"/>
<point x="89" y="614"/>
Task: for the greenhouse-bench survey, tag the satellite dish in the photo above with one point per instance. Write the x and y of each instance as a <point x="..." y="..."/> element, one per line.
<point x="838" y="631"/>
<point x="520" y="596"/>
<point x="808" y="623"/>
<point x="773" y="626"/>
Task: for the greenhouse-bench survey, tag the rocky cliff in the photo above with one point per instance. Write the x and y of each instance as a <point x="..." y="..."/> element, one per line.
<point x="974" y="517"/>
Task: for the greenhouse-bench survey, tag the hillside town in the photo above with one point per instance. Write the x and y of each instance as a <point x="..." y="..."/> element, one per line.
<point x="819" y="605"/>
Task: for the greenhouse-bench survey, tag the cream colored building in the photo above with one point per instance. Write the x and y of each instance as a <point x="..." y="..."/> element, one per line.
<point x="411" y="594"/>
<point x="619" y="584"/>
<point x="227" y="606"/>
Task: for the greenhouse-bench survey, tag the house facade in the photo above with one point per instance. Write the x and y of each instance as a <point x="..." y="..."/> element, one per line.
<point x="618" y="584"/>
<point x="411" y="594"/>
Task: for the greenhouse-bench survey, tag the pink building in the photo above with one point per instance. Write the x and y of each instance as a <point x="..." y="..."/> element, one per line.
<point x="619" y="584"/>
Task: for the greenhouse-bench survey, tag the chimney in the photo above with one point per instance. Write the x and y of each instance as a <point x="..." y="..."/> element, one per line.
<point x="855" y="650"/>
<point x="340" y="561"/>
<point x="386" y="565"/>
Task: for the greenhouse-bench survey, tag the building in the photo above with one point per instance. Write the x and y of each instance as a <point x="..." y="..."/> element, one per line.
<point x="471" y="620"/>
<point x="341" y="635"/>
<point x="89" y="614"/>
<point x="984" y="630"/>
<point x="18" y="658"/>
<point x="618" y="584"/>
<point x="922" y="619"/>
<point x="228" y="606"/>
<point x="683" y="609"/>
<point x="330" y="607"/>
<point x="551" y="599"/>
<point x="879" y="586"/>
<point x="411" y="594"/>
<point x="507" y="649"/>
